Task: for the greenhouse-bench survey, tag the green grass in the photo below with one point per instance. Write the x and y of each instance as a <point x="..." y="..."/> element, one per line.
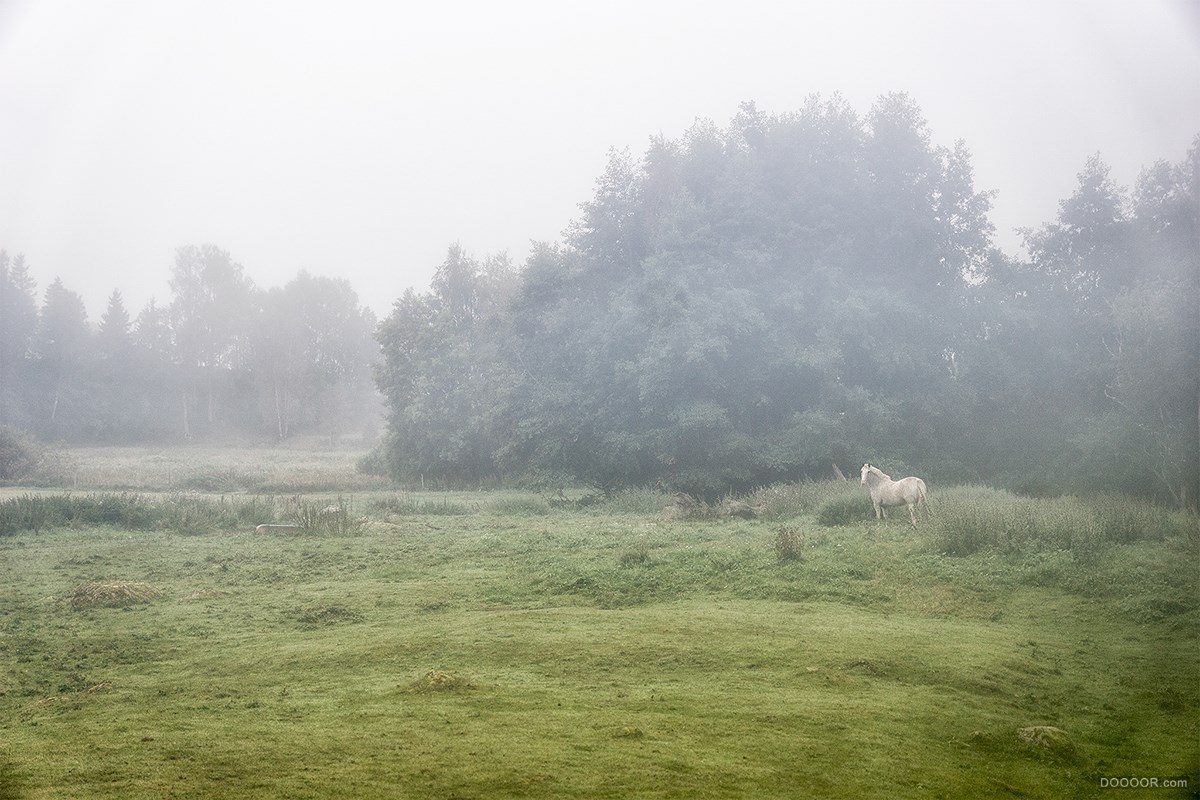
<point x="283" y="469"/>
<point x="494" y="645"/>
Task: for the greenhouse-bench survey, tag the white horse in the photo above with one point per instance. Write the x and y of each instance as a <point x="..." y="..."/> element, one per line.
<point x="887" y="492"/>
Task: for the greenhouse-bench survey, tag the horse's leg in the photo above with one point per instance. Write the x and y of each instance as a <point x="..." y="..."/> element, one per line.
<point x="912" y="514"/>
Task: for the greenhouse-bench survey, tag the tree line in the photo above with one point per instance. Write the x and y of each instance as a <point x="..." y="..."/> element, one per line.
<point x="222" y="359"/>
<point x="775" y="299"/>
<point x="797" y="293"/>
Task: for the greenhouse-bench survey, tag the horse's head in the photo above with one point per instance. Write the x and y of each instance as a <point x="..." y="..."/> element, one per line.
<point x="863" y="475"/>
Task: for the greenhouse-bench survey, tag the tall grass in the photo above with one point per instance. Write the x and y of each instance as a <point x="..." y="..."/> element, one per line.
<point x="407" y="505"/>
<point x="180" y="512"/>
<point x="264" y="470"/>
<point x="642" y="500"/>
<point x="38" y="512"/>
<point x="323" y="517"/>
<point x="968" y="519"/>
<point x="791" y="500"/>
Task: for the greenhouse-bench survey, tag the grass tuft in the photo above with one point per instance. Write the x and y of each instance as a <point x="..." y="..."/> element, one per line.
<point x="788" y="543"/>
<point x="437" y="680"/>
<point x="112" y="594"/>
<point x="634" y="556"/>
<point x="325" y="615"/>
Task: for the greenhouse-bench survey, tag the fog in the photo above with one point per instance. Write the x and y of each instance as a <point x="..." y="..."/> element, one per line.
<point x="362" y="142"/>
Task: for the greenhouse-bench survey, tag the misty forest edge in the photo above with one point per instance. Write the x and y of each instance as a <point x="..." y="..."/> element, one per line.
<point x="745" y="305"/>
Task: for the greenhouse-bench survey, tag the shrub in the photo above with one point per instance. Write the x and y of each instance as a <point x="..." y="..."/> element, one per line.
<point x="374" y="462"/>
<point x="18" y="455"/>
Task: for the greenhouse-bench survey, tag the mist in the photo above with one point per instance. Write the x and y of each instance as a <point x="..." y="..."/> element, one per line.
<point x="361" y="144"/>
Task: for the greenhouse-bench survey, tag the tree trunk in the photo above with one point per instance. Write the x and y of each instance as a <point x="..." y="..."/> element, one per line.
<point x="211" y="403"/>
<point x="280" y="429"/>
<point x="187" y="429"/>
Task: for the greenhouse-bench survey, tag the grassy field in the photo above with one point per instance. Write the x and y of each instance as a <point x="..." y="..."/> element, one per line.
<point x="505" y="645"/>
<point x="313" y="465"/>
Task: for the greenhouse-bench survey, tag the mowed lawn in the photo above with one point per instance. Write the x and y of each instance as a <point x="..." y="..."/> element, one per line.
<point x="515" y="651"/>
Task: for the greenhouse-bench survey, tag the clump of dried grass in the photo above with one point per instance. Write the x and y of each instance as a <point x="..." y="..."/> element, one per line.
<point x="204" y="594"/>
<point x="325" y="615"/>
<point x="112" y="594"/>
<point x="789" y="543"/>
<point x="437" y="680"/>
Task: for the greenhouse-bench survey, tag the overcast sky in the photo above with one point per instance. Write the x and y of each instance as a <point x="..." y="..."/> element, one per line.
<point x="361" y="139"/>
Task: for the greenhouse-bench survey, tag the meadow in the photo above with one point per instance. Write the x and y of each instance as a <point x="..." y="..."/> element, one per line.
<point x="511" y="644"/>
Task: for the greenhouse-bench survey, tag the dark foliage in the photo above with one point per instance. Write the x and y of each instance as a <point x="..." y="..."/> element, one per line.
<point x="223" y="359"/>
<point x="752" y="304"/>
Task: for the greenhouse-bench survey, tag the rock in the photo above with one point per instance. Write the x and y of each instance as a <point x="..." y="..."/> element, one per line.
<point x="269" y="528"/>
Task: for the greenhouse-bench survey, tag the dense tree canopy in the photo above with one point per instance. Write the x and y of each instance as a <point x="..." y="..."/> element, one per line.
<point x="759" y="302"/>
<point x="222" y="359"/>
<point x="764" y="301"/>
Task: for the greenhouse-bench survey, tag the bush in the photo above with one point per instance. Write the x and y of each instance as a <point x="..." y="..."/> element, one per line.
<point x="375" y="462"/>
<point x="19" y="454"/>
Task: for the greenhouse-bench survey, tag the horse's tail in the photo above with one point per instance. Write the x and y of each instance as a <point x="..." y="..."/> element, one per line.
<point x="924" y="499"/>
